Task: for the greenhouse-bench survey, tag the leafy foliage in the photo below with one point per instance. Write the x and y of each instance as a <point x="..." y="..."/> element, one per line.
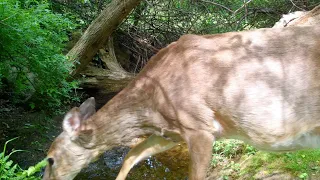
<point x="81" y="11"/>
<point x="32" y="67"/>
<point x="11" y="171"/>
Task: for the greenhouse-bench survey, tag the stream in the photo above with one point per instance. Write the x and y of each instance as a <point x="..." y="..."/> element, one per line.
<point x="161" y="167"/>
<point x="36" y="133"/>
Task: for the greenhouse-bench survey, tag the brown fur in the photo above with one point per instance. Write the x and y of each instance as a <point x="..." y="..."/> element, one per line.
<point x="300" y="18"/>
<point x="260" y="86"/>
<point x="310" y="18"/>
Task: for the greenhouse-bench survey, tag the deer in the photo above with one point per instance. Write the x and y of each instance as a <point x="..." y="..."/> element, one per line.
<point x="260" y="86"/>
<point x="300" y="18"/>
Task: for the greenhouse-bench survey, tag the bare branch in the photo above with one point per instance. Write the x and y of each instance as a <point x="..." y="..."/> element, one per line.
<point x="296" y="5"/>
<point x="217" y="4"/>
<point x="244" y="5"/>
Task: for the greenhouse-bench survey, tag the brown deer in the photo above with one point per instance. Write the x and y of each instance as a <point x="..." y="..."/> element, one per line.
<point x="260" y="86"/>
<point x="300" y="18"/>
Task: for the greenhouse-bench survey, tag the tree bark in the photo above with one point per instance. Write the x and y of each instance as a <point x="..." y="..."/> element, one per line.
<point x="98" y="32"/>
<point x="106" y="81"/>
<point x="103" y="82"/>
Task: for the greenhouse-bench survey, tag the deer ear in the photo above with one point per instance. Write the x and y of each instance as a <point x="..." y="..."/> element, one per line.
<point x="72" y="121"/>
<point x="87" y="108"/>
<point x="75" y="117"/>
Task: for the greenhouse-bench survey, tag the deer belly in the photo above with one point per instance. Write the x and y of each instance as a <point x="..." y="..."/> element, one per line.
<point x="303" y="141"/>
<point x="266" y="138"/>
<point x="306" y="140"/>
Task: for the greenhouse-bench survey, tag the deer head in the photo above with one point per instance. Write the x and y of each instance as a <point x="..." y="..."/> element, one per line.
<point x="70" y="151"/>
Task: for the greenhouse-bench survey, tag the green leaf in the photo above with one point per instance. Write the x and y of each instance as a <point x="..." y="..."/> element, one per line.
<point x="31" y="170"/>
<point x="8" y="164"/>
<point x="32" y="105"/>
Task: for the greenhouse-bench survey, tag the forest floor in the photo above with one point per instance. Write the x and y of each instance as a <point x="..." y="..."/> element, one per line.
<point x="231" y="159"/>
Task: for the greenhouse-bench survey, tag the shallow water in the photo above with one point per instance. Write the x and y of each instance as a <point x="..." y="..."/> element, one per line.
<point x="171" y="165"/>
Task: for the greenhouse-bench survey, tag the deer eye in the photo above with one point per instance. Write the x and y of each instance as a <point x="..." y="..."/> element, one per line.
<point x="50" y="161"/>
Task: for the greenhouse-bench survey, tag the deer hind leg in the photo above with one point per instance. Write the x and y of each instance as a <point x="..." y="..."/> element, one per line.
<point x="151" y="146"/>
<point x="200" y="150"/>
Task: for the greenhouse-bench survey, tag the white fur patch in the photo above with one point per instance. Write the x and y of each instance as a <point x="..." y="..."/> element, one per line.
<point x="217" y="126"/>
<point x="71" y="126"/>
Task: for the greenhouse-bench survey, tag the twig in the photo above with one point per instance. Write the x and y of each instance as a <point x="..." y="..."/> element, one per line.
<point x="217" y="4"/>
<point x="296" y="5"/>
<point x="244" y="5"/>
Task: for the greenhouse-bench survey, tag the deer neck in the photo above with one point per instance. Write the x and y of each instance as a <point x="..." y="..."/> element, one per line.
<point x="125" y="117"/>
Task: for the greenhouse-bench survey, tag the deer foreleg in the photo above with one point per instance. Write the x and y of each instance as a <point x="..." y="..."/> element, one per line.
<point x="200" y="150"/>
<point x="151" y="146"/>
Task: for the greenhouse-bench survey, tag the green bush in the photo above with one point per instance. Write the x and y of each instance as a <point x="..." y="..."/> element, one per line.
<point x="33" y="69"/>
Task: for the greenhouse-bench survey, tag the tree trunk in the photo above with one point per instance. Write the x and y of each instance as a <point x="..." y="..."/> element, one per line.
<point x="108" y="80"/>
<point x="102" y="83"/>
<point x="98" y="32"/>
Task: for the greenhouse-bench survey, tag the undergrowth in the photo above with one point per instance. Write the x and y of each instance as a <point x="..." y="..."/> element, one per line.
<point x="241" y="161"/>
<point x="33" y="70"/>
<point x="11" y="171"/>
<point x="300" y="164"/>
